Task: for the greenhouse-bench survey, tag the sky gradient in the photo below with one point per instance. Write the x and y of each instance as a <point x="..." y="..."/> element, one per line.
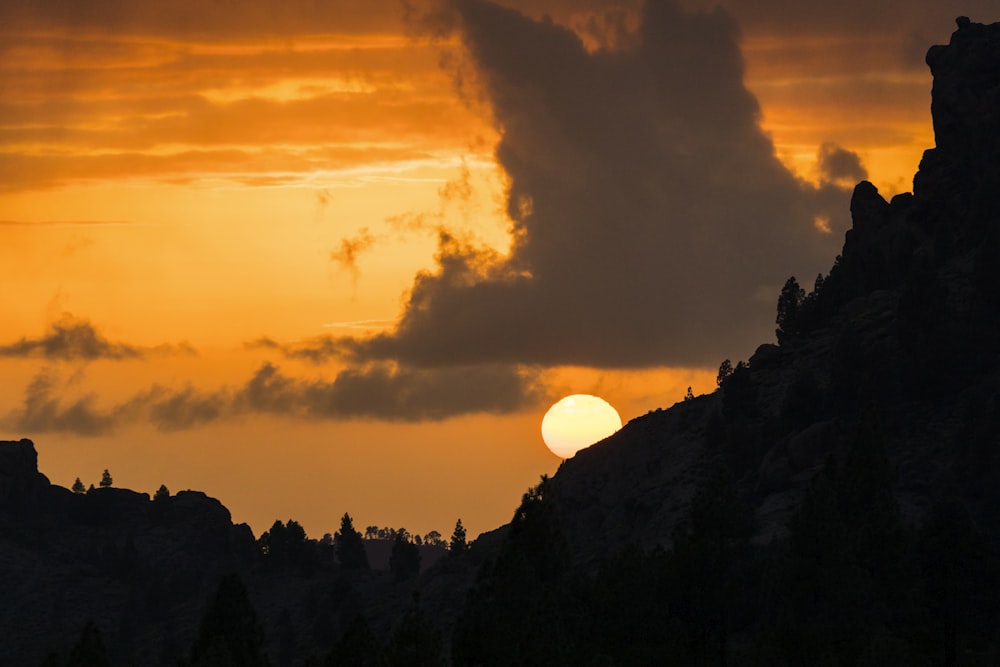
<point x="311" y="259"/>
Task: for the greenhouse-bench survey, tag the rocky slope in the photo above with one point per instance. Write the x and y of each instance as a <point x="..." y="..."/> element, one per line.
<point x="907" y="321"/>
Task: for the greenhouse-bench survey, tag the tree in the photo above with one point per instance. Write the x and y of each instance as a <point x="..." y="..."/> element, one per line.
<point x="789" y="304"/>
<point x="230" y="634"/>
<point x="415" y="641"/>
<point x="358" y="646"/>
<point x="106" y="481"/>
<point x="371" y="532"/>
<point x="689" y="395"/>
<point x="725" y="370"/>
<point x="404" y="561"/>
<point x="349" y="546"/>
<point x="78" y="486"/>
<point x="709" y="548"/>
<point x="89" y="650"/>
<point x="162" y="493"/>
<point x="433" y="538"/>
<point x="458" y="543"/>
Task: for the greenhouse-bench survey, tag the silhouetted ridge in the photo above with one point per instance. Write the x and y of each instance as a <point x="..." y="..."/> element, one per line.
<point x="906" y="321"/>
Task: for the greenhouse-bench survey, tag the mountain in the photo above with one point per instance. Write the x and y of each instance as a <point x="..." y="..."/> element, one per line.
<point x="906" y="321"/>
<point x="835" y="502"/>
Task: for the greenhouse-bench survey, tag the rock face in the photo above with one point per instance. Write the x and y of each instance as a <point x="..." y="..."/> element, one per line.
<point x="112" y="555"/>
<point x="907" y="320"/>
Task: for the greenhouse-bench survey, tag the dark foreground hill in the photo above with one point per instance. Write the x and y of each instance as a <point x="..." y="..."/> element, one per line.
<point x="835" y="502"/>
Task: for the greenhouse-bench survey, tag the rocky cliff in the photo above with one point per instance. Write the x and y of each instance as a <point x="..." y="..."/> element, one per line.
<point x="906" y="321"/>
<point x="134" y="566"/>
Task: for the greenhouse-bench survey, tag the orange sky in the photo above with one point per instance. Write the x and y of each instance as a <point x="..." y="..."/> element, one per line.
<point x="192" y="195"/>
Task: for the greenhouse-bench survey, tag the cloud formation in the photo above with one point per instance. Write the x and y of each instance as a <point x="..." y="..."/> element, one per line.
<point x="377" y="391"/>
<point x="76" y="339"/>
<point x="652" y="222"/>
<point x="839" y="165"/>
<point x="71" y="339"/>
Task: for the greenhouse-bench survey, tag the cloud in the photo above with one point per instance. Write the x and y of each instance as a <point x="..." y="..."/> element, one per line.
<point x="377" y="391"/>
<point x="347" y="254"/>
<point x="649" y="209"/>
<point x="71" y="339"/>
<point x="386" y="392"/>
<point x="839" y="165"/>
<point x="42" y="411"/>
<point x="75" y="339"/>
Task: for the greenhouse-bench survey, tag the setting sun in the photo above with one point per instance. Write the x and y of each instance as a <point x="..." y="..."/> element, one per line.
<point x="576" y="422"/>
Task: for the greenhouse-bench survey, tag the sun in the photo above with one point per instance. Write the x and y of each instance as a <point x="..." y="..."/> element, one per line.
<point x="576" y="422"/>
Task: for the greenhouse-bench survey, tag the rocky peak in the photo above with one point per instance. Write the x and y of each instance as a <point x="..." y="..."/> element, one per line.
<point x="20" y="480"/>
<point x="963" y="170"/>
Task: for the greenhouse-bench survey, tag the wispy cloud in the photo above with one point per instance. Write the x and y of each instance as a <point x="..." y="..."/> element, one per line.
<point x="76" y="339"/>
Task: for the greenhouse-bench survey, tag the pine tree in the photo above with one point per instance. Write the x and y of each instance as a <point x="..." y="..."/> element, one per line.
<point x="78" y="486"/>
<point x="230" y="633"/>
<point x="106" y="481"/>
<point x="162" y="493"/>
<point x="404" y="562"/>
<point x="458" y="543"/>
<point x="349" y="546"/>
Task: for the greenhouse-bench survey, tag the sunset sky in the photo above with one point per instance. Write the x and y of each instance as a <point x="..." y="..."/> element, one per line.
<point x="323" y="256"/>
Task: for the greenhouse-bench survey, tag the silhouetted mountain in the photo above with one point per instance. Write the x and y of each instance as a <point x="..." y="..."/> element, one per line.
<point x="906" y="321"/>
<point x="836" y="501"/>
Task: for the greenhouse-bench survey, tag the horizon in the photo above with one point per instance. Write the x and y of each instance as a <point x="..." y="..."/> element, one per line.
<point x="208" y="226"/>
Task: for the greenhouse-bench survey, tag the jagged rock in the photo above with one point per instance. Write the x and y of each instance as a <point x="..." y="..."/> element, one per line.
<point x="20" y="482"/>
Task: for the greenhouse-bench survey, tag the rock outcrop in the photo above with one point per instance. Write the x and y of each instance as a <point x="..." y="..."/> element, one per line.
<point x="111" y="555"/>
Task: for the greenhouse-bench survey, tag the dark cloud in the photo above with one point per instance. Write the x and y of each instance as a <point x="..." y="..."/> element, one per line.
<point x="42" y="411"/>
<point x="71" y="339"/>
<point x="653" y="223"/>
<point x="383" y="391"/>
<point x="840" y="165"/>
<point x="75" y="339"/>
<point x="316" y="350"/>
<point x="376" y="391"/>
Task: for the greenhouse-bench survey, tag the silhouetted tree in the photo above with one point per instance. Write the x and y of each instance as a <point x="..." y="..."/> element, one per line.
<point x="230" y="634"/>
<point x="286" y="544"/>
<point x="458" y="544"/>
<point x="106" y="480"/>
<point x="522" y="594"/>
<point x="404" y="561"/>
<point x="78" y="486"/>
<point x="789" y="302"/>
<point x="357" y="647"/>
<point x="349" y="546"/>
<point x="371" y="532"/>
<point x="725" y="370"/>
<point x="710" y="548"/>
<point x="89" y="650"/>
<point x="162" y="493"/>
<point x="845" y="579"/>
<point x="415" y="642"/>
<point x="959" y="579"/>
<point x="90" y="488"/>
<point x="689" y="395"/>
<point x="433" y="538"/>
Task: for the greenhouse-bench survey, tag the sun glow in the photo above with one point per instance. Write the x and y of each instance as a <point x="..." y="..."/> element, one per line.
<point x="576" y="422"/>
